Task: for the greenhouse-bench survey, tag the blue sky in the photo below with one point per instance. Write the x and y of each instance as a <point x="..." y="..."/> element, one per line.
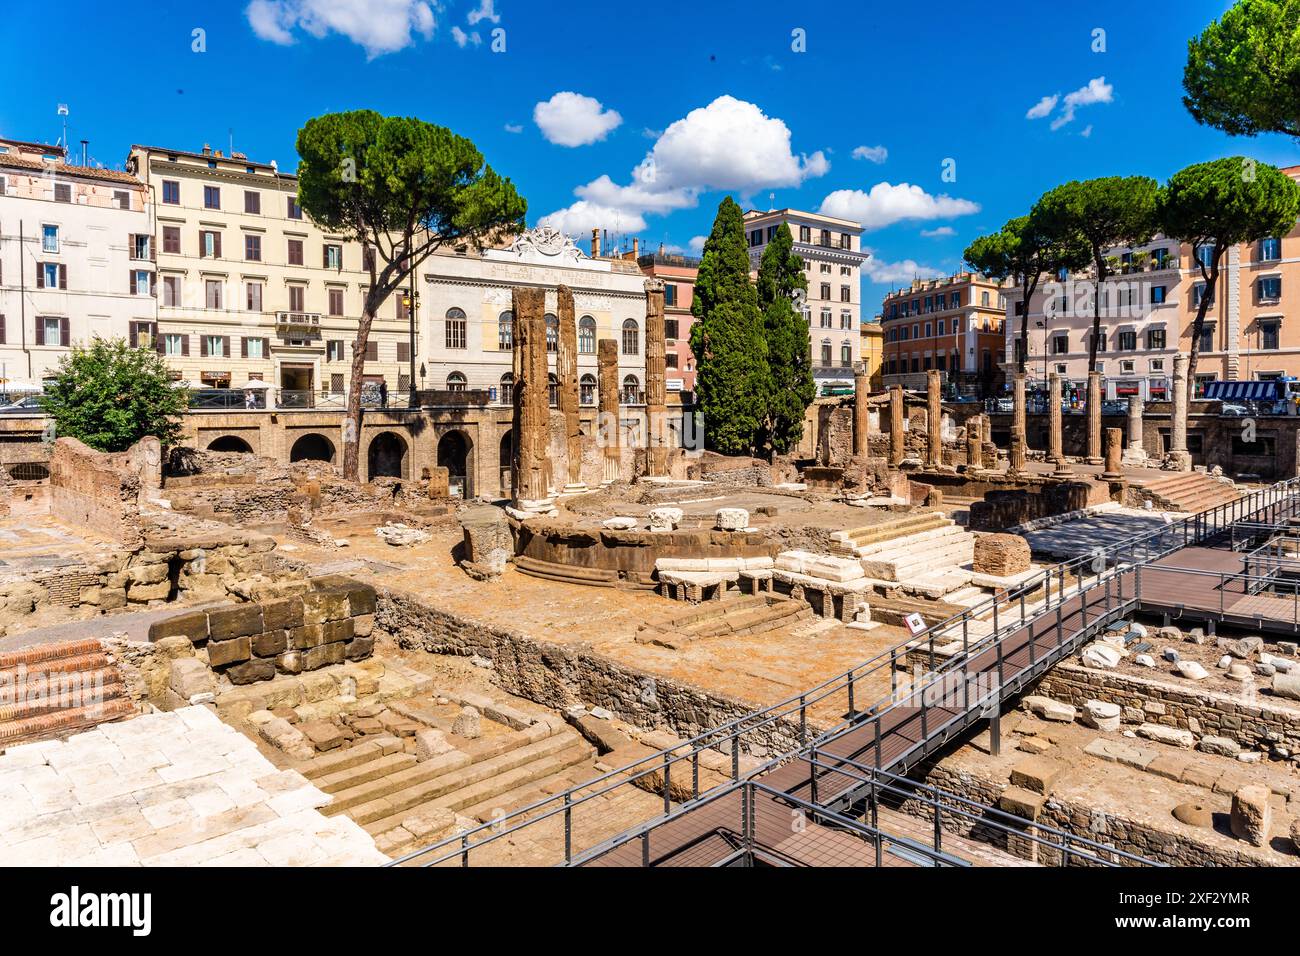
<point x="653" y="111"/>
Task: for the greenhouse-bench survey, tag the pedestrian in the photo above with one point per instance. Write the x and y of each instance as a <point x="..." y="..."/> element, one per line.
<point x="383" y="393"/>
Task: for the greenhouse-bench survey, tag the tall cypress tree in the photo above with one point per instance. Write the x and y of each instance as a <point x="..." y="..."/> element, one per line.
<point x="727" y="339"/>
<point x="789" y="348"/>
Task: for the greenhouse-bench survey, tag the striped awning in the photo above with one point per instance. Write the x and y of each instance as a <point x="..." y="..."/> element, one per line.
<point x="1244" y="391"/>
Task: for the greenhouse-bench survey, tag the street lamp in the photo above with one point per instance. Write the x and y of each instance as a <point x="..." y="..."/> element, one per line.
<point x="412" y="300"/>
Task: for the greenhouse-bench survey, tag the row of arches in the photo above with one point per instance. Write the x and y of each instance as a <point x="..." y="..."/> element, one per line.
<point x="630" y="338"/>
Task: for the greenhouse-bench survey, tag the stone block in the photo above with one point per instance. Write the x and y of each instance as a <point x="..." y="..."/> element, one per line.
<point x="363" y="625"/>
<point x="147" y="573"/>
<point x="237" y="620"/>
<point x="1169" y="766"/>
<point x="1036" y="774"/>
<point x="1047" y="709"/>
<point x="731" y="519"/>
<point x="271" y="643"/>
<point x="468" y="724"/>
<point x="334" y="631"/>
<point x="1102" y="715"/>
<point x="1223" y="746"/>
<point x="665" y="519"/>
<point x="1102" y="656"/>
<point x="221" y="653"/>
<point x="1021" y="803"/>
<point x="1173" y="736"/>
<point x="361" y="600"/>
<point x="188" y="676"/>
<point x="1286" y="685"/>
<point x="290" y="662"/>
<point x="282" y="615"/>
<point x="327" y="605"/>
<point x="171" y="648"/>
<point x="250" y="672"/>
<point x="1191" y="670"/>
<point x="430" y="743"/>
<point x="142" y="593"/>
<point x="1252" y="814"/>
<point x="359" y="648"/>
<point x="193" y="626"/>
<point x="322" y="734"/>
<point x="324" y="655"/>
<point x="1001" y="555"/>
<point x="305" y="637"/>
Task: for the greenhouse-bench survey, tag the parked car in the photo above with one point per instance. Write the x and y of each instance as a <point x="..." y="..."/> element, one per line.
<point x="18" y="404"/>
<point x="1233" y="409"/>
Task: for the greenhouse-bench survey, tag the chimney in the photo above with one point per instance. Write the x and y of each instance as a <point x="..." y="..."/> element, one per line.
<point x="595" y="243"/>
<point x="635" y="245"/>
<point x="207" y="149"/>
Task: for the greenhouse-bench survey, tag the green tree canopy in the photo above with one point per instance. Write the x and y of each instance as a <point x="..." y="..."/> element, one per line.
<point x="109" y="396"/>
<point x="1243" y="72"/>
<point x="791" y="388"/>
<point x="1216" y="205"/>
<point x="404" y="188"/>
<point x="1106" y="212"/>
<point x="1024" y="252"/>
<point x="731" y="378"/>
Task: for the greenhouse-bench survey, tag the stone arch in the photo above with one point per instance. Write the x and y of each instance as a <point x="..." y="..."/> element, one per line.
<point x="312" y="447"/>
<point x="230" y="443"/>
<point x="505" y="461"/>
<point x="387" y="457"/>
<point x="456" y="454"/>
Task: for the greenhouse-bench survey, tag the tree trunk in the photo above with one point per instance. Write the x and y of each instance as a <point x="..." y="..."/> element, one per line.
<point x="1211" y="280"/>
<point x="352" y="421"/>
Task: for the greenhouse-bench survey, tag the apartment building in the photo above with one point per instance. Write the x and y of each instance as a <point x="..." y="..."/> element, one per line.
<point x="76" y="259"/>
<point x="252" y="292"/>
<point x="832" y="253"/>
<point x="678" y="273"/>
<point x="872" y="351"/>
<point x="953" y="324"/>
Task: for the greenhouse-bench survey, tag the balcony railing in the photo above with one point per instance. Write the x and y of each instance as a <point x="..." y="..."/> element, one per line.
<point x="239" y="399"/>
<point x="297" y="325"/>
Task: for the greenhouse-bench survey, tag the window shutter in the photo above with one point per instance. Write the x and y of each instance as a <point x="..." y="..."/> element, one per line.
<point x="130" y="281"/>
<point x="2" y="330"/>
<point x="40" y="275"/>
<point x="65" y="336"/>
<point x="266" y="348"/>
<point x="157" y="340"/>
<point x="203" y="346"/>
<point x="63" y="277"/>
<point x="40" y="331"/>
<point x="153" y="284"/>
<point x="216" y="245"/>
<point x="185" y="344"/>
<point x="243" y="347"/>
<point x="325" y="257"/>
<point x="225" y="346"/>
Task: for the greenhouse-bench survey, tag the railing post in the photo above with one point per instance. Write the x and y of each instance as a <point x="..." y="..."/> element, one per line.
<point x="893" y="674"/>
<point x="668" y="806"/>
<point x="1001" y="682"/>
<point x="812" y="766"/>
<point x="645" y="848"/>
<point x="464" y="850"/>
<point x="878" y="758"/>
<point x="568" y="826"/>
<point x="735" y="757"/>
<point x="695" y="773"/>
<point x="852" y="709"/>
<point x="938" y="826"/>
<point x="803" y="720"/>
<point x="1060" y="627"/>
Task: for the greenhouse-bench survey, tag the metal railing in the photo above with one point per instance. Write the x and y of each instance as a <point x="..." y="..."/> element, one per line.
<point x="785" y="727"/>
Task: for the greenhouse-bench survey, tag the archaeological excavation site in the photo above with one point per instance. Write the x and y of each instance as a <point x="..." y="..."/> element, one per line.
<point x="932" y="637"/>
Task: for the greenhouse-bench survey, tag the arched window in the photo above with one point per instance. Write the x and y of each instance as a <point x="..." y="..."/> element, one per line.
<point x="455" y="329"/>
<point x="553" y="390"/>
<point x="631" y="338"/>
<point x="826" y="351"/>
<point x="507" y="389"/>
<point x="631" y="389"/>
<point x="552" y="333"/>
<point x="587" y="335"/>
<point x="456" y="382"/>
<point x="587" y="389"/>
<point x="846" y="353"/>
<point x="506" y="331"/>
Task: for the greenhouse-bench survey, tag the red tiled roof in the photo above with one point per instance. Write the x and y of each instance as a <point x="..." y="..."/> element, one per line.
<point x="61" y="169"/>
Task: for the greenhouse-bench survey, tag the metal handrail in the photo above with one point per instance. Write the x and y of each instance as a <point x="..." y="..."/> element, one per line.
<point x="1193" y="528"/>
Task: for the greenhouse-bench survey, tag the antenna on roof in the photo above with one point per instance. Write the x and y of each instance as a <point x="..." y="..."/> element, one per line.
<point x="771" y="202"/>
<point x="63" y="111"/>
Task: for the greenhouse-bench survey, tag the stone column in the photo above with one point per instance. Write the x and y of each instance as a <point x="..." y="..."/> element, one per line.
<point x="974" y="442"/>
<point x="609" y="429"/>
<point x="1114" y="444"/>
<point x="1055" y="439"/>
<point x="1135" y="453"/>
<point x="861" y="412"/>
<point x="1179" y="457"/>
<point x="531" y="464"/>
<point x="655" y="384"/>
<point x="566" y="374"/>
<point x="933" y="419"/>
<point x="1094" y="418"/>
<point x="896" y="436"/>
<point x="1017" y="457"/>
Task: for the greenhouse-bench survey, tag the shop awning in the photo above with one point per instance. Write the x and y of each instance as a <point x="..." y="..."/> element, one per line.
<point x="1244" y="391"/>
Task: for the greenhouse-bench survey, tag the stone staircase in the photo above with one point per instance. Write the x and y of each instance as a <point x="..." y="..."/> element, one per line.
<point x="1189" y="491"/>
<point x="407" y="803"/>
<point x="51" y="689"/>
<point x="922" y="553"/>
<point x="736" y="617"/>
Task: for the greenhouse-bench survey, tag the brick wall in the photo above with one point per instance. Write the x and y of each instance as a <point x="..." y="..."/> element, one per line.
<point x="104" y="492"/>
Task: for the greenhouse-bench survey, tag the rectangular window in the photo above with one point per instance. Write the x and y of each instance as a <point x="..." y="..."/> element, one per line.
<point x="404" y="352"/>
<point x="212" y="294"/>
<point x="670" y="329"/>
<point x="253" y="296"/>
<point x="403" y="304"/>
<point x="334" y="257"/>
<point x="209" y="244"/>
<point x="1158" y="294"/>
<point x="372" y="351"/>
<point x="1270" y="289"/>
<point x="171" y="192"/>
<point x="1268" y="336"/>
<point x="1156" y="339"/>
<point x="174" y="344"/>
<point x="805" y="234"/>
<point x="214" y="346"/>
<point x="1060" y="344"/>
<point x="252" y="202"/>
<point x="295" y="252"/>
<point x="1198" y="293"/>
<point x="294" y="211"/>
<point x="1207" y="339"/>
<point x="171" y="239"/>
<point x="1127" y="341"/>
<point x="211" y="197"/>
<point x="297" y="298"/>
<point x="670" y="294"/>
<point x="141" y="282"/>
<point x="253" y="248"/>
<point x="50" y="238"/>
<point x="62" y="192"/>
<point x="171" y="290"/>
<point x="335" y="302"/>
<point x="334" y="350"/>
<point x="846" y="294"/>
<point x="253" y="348"/>
<point x="1270" y="250"/>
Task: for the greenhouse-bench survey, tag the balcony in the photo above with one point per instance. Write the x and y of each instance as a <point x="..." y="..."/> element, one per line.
<point x="297" y="325"/>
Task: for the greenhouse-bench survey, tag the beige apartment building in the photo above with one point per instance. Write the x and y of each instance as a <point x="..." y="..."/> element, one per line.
<point x="251" y="292"/>
<point x="832" y="253"/>
<point x="76" y="260"/>
<point x="953" y="324"/>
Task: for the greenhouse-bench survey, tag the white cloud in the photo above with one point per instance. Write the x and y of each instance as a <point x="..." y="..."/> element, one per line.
<point x="1043" y="107"/>
<point x="887" y="204"/>
<point x="877" y="270"/>
<point x="485" y="11"/>
<point x="872" y="154"/>
<point x="583" y="216"/>
<point x="1086" y="131"/>
<point x="728" y="145"/>
<point x="571" y="119"/>
<point x="514" y="128"/>
<point x="464" y="39"/>
<point x="378" y="26"/>
<point x="1097" y="91"/>
<point x="696" y="245"/>
<point x="941" y="232"/>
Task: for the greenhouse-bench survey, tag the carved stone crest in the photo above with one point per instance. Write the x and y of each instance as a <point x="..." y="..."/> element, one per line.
<point x="546" y="244"/>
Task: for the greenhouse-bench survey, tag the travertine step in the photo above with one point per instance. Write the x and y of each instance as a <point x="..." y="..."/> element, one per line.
<point x="73" y="718"/>
<point x="372" y="769"/>
<point x="493" y="787"/>
<point x="885" y="549"/>
<point x="889" y="530"/>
